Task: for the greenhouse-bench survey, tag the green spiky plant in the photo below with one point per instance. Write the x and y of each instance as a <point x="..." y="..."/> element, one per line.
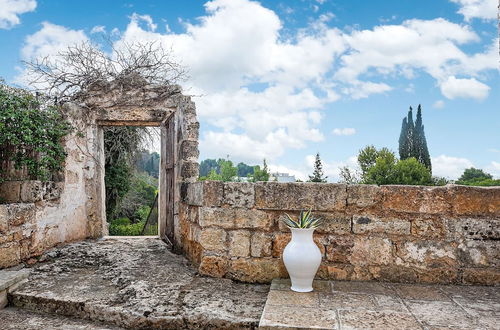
<point x="305" y="220"/>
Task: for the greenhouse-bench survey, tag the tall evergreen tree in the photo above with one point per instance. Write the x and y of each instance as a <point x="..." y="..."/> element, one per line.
<point x="412" y="141"/>
<point x="318" y="175"/>
<point x="422" y="152"/>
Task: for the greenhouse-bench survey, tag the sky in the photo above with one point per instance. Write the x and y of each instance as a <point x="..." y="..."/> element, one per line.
<point x="283" y="80"/>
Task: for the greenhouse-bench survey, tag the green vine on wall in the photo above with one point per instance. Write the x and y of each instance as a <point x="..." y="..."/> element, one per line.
<point x="30" y="135"/>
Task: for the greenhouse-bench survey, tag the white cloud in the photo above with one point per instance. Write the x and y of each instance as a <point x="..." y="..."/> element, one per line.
<point x="11" y="9"/>
<point x="494" y="169"/>
<point x="485" y="9"/>
<point x="449" y="167"/>
<point x="50" y="40"/>
<point x="98" y="29"/>
<point x="464" y="88"/>
<point x="439" y="104"/>
<point x="344" y="131"/>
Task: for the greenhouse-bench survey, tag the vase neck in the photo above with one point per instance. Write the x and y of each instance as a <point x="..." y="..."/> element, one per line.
<point x="302" y="235"/>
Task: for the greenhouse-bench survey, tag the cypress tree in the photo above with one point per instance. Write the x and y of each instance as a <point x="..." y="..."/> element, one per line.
<point x="403" y="146"/>
<point x="410" y="135"/>
<point x="422" y="152"/>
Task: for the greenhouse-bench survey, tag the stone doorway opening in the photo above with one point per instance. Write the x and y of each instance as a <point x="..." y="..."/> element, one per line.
<point x="155" y="219"/>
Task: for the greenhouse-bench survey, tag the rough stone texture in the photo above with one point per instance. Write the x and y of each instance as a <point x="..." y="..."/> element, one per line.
<point x="19" y="319"/>
<point x="372" y="305"/>
<point x="406" y="234"/>
<point x="137" y="284"/>
<point x="72" y="208"/>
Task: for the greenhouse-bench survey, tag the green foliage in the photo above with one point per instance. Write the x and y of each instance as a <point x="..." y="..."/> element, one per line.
<point x="207" y="165"/>
<point x="387" y="169"/>
<point x="348" y="175"/>
<point x="317" y="175"/>
<point x="148" y="162"/>
<point x="260" y="174"/>
<point x="117" y="182"/>
<point x="304" y="221"/>
<point x="410" y="171"/>
<point x="245" y="170"/>
<point x="412" y="141"/>
<point x="439" y="181"/>
<point x="227" y="171"/>
<point x="124" y="227"/>
<point x="477" y="177"/>
<point x="30" y="136"/>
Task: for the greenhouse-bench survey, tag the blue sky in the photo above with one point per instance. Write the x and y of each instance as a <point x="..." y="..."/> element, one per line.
<point x="283" y="80"/>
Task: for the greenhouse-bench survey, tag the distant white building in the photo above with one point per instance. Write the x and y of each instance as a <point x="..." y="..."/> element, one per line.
<point x="281" y="177"/>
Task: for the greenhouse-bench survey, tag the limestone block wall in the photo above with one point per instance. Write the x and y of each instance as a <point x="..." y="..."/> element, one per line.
<point x="389" y="233"/>
<point x="36" y="216"/>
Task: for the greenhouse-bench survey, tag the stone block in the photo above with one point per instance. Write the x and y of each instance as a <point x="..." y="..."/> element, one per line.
<point x="189" y="150"/>
<point x="481" y="276"/>
<point x="189" y="170"/>
<point x="279" y="243"/>
<point x="213" y="266"/>
<point x="239" y="194"/>
<point x="213" y="239"/>
<point x="32" y="191"/>
<point x="363" y="196"/>
<point x="426" y="254"/>
<point x="10" y="191"/>
<point x="475" y="201"/>
<point x="71" y="177"/>
<point x="435" y="200"/>
<point x="52" y="190"/>
<point x="194" y="193"/>
<point x="21" y="213"/>
<point x="339" y="249"/>
<point x="236" y="218"/>
<point x="475" y="229"/>
<point x="406" y="199"/>
<point x="261" y="244"/>
<point x="254" y="270"/>
<point x="299" y="196"/>
<point x="473" y="253"/>
<point x="371" y="251"/>
<point x="4" y="218"/>
<point x="239" y="243"/>
<point x="429" y="227"/>
<point x="368" y="224"/>
<point x="9" y="254"/>
<point x="213" y="192"/>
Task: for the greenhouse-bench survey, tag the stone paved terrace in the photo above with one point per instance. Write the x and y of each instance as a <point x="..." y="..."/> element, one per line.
<point x="374" y="305"/>
<point x="139" y="284"/>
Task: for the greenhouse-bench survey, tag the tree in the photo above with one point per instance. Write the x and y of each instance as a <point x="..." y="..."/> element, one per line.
<point x="412" y="141"/>
<point x="382" y="172"/>
<point x="411" y="172"/>
<point x="367" y="158"/>
<point x="260" y="174"/>
<point x="348" y="175"/>
<point x="477" y="177"/>
<point x="317" y="175"/>
<point x="227" y="171"/>
<point x="244" y="170"/>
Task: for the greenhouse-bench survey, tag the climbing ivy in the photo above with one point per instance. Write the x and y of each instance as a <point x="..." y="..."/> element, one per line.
<point x="30" y="136"/>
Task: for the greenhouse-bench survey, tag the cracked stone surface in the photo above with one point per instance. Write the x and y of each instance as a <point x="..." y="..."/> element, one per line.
<point x="375" y="305"/>
<point x="136" y="283"/>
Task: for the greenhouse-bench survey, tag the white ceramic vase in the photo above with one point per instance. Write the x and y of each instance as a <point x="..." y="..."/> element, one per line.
<point x="302" y="258"/>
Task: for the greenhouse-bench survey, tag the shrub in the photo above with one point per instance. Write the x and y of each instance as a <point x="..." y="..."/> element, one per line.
<point x="124" y="227"/>
<point x="30" y="136"/>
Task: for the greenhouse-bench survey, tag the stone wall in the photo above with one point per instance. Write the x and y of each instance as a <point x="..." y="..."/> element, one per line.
<point x="36" y="216"/>
<point x="389" y="233"/>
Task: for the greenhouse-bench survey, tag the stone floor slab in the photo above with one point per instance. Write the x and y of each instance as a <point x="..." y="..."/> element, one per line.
<point x="364" y="287"/>
<point x="340" y="300"/>
<point x="387" y="320"/>
<point x="420" y="292"/>
<point x="297" y="317"/>
<point x="441" y="313"/>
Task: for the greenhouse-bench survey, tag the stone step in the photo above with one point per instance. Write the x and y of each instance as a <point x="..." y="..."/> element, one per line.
<point x="10" y="279"/>
<point x="12" y="318"/>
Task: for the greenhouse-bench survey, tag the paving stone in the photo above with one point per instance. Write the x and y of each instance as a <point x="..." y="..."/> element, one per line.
<point x="285" y="317"/>
<point x="479" y="307"/>
<point x="473" y="292"/>
<point x="289" y="298"/>
<point x="363" y="319"/>
<point x="441" y="313"/>
<point x="18" y="319"/>
<point x="339" y="300"/>
<point x="420" y="292"/>
<point x="363" y="287"/>
<point x="394" y="304"/>
<point x="11" y="277"/>
<point x="285" y="284"/>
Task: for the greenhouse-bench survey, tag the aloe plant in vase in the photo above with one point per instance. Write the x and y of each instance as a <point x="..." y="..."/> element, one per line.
<point x="302" y="256"/>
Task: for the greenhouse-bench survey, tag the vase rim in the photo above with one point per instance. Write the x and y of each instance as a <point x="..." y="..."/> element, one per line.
<point x="302" y="229"/>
